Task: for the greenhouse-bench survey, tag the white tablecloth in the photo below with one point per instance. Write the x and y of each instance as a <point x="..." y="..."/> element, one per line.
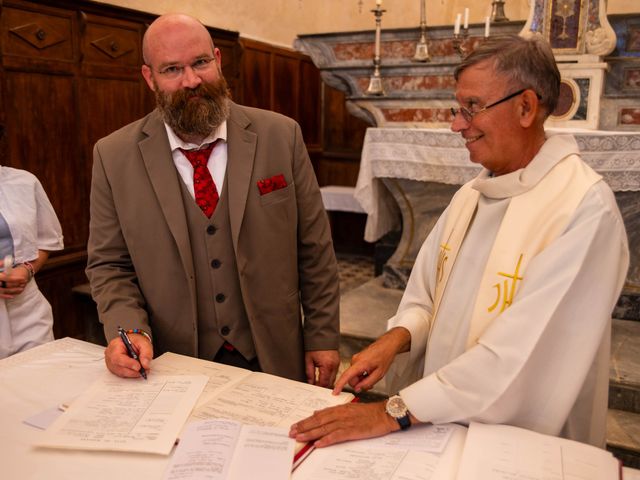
<point x="340" y="198"/>
<point x="42" y="378"/>
<point x="439" y="155"/>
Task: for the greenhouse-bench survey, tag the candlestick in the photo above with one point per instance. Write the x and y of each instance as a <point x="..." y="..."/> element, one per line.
<point x="460" y="37"/>
<point x="375" y="81"/>
<point x="497" y="11"/>
<point x="422" y="50"/>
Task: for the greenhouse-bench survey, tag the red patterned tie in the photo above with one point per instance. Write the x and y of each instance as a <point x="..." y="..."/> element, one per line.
<point x="205" y="189"/>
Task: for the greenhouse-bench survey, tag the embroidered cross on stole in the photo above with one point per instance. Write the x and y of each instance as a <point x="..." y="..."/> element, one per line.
<point x="532" y="221"/>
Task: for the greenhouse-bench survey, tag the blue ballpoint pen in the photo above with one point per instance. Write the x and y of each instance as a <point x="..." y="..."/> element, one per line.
<point x="130" y="350"/>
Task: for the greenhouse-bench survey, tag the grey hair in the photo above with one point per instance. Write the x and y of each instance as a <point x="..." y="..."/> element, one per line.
<point x="526" y="62"/>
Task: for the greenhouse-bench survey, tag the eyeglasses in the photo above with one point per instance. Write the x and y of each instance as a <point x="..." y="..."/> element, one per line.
<point x="469" y="114"/>
<point x="174" y="72"/>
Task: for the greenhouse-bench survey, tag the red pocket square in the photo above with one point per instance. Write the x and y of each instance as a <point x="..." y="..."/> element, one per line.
<point x="268" y="185"/>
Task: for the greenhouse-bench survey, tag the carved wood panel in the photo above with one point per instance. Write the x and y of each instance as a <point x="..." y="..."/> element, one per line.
<point x="46" y="34"/>
<point x="111" y="42"/>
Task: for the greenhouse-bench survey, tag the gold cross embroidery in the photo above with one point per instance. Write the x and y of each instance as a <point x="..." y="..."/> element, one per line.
<point x="442" y="260"/>
<point x="508" y="293"/>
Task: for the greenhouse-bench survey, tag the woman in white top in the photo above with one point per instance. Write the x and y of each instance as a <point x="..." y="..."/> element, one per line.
<point x="29" y="230"/>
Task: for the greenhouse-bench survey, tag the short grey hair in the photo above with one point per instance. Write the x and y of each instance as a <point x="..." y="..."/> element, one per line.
<point x="526" y="62"/>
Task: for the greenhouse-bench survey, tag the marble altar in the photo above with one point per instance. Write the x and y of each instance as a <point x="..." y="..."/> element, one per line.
<point x="419" y="94"/>
<point x="408" y="176"/>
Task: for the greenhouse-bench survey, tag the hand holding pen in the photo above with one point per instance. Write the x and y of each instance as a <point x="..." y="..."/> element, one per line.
<point x="130" y="350"/>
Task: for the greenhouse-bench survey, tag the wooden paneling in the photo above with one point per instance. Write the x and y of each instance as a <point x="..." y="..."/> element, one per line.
<point x="56" y="282"/>
<point x="43" y="34"/>
<point x="39" y="140"/>
<point x="342" y="131"/>
<point x="337" y="170"/>
<point x="256" y="78"/>
<point x="286" y="83"/>
<point x="69" y="75"/>
<point x="110" y="42"/>
<point x="310" y="107"/>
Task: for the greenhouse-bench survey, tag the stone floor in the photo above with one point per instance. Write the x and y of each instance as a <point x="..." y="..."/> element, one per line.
<point x="366" y="305"/>
<point x="354" y="270"/>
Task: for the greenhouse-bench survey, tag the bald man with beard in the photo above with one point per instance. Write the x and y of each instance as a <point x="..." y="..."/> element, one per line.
<point x="208" y="235"/>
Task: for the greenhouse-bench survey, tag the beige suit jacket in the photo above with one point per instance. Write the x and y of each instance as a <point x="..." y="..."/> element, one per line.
<point x="140" y="264"/>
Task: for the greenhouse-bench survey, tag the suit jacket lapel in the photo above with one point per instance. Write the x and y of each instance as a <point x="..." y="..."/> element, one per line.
<point x="156" y="154"/>
<point x="241" y="150"/>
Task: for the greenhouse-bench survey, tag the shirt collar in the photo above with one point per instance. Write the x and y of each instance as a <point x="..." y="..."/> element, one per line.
<point x="554" y="150"/>
<point x="176" y="142"/>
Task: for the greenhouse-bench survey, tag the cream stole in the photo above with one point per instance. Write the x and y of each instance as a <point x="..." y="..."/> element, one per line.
<point x="533" y="220"/>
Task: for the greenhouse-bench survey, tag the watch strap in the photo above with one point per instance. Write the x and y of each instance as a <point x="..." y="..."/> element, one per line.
<point x="404" y="422"/>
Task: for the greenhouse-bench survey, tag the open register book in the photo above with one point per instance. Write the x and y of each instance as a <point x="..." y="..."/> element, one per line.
<point x="451" y="452"/>
<point x="136" y="415"/>
<point x="250" y="398"/>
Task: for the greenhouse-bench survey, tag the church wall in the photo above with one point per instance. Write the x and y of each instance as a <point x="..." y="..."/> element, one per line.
<point x="279" y="21"/>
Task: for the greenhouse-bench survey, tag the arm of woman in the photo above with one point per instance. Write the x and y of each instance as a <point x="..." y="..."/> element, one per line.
<point x="15" y="283"/>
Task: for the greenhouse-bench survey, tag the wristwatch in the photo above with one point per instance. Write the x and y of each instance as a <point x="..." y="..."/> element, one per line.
<point x="398" y="410"/>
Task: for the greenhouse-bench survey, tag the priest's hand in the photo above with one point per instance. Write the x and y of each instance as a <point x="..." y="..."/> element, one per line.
<point x="371" y="364"/>
<point x="121" y="364"/>
<point x="352" y="421"/>
<point x="327" y="363"/>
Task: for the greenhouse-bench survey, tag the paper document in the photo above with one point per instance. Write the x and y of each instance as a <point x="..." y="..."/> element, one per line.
<point x="44" y="419"/>
<point x="262" y="399"/>
<point x="502" y="452"/>
<point x="427" y="452"/>
<point x="252" y="398"/>
<point x="127" y="414"/>
<point x="228" y="450"/>
<point x="423" y="438"/>
<point x="219" y="375"/>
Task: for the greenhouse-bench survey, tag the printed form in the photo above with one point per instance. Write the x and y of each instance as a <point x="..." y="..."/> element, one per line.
<point x="424" y="452"/>
<point x="228" y="450"/>
<point x="124" y="414"/>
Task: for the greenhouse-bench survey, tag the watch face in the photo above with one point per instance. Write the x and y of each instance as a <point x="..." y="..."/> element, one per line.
<point x="396" y="407"/>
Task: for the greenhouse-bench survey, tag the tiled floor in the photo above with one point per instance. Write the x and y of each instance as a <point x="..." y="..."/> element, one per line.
<point x="354" y="270"/>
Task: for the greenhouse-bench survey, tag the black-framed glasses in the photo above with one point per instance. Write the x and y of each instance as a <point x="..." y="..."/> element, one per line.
<point x="469" y="114"/>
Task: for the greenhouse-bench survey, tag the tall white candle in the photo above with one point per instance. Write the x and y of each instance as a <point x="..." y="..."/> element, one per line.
<point x="486" y="27"/>
<point x="423" y="12"/>
<point x="456" y="26"/>
<point x="466" y="18"/>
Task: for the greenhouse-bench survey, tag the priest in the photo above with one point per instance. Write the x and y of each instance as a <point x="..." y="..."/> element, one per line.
<point x="506" y="317"/>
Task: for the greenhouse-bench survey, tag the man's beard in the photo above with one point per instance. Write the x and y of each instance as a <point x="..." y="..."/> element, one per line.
<point x="197" y="117"/>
